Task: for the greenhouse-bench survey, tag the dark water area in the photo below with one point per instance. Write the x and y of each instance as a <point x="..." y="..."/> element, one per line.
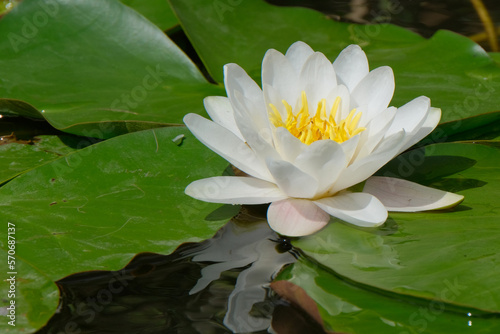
<point x="423" y="17"/>
<point x="220" y="285"/>
<point x="22" y="130"/>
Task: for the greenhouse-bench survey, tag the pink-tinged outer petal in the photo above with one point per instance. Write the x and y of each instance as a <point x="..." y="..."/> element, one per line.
<point x="221" y="112"/>
<point x="296" y="217"/>
<point x="234" y="190"/>
<point x="356" y="208"/>
<point x="374" y="93"/>
<point x="351" y="66"/>
<point x="405" y="196"/>
<point x="297" y="54"/>
<point x="227" y="145"/>
<point x="291" y="180"/>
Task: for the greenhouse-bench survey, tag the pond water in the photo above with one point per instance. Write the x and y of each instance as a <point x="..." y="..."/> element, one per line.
<point x="220" y="285"/>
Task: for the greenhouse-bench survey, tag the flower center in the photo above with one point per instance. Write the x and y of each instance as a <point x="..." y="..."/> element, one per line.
<point x="310" y="128"/>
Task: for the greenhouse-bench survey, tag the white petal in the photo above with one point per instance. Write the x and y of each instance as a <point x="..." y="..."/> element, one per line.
<point x="411" y="116"/>
<point x="287" y="145"/>
<point x="296" y="217"/>
<point x="227" y="145"/>
<point x="405" y="196"/>
<point x="351" y="66"/>
<point x="376" y="129"/>
<point x="323" y="159"/>
<point x="246" y="96"/>
<point x="374" y="93"/>
<point x="258" y="137"/>
<point x="318" y="79"/>
<point x="279" y="74"/>
<point x="345" y="102"/>
<point x="349" y="147"/>
<point x="356" y="208"/>
<point x="274" y="96"/>
<point x="221" y="112"/>
<point x="297" y="54"/>
<point x="363" y="168"/>
<point x="429" y="125"/>
<point x="291" y="180"/>
<point x="236" y="79"/>
<point x="234" y="190"/>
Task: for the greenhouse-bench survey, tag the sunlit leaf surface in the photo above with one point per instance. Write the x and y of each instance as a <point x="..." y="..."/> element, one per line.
<point x="20" y="156"/>
<point x="156" y="11"/>
<point x="348" y="307"/>
<point x="96" y="208"/>
<point x="95" y="68"/>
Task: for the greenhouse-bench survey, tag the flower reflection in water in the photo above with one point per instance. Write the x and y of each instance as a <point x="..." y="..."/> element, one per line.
<point x="219" y="285"/>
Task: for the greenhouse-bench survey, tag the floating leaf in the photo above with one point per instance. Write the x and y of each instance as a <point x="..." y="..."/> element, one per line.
<point x="348" y="307"/>
<point x="106" y="69"/>
<point x="18" y="157"/>
<point x="157" y="11"/>
<point x="94" y="209"/>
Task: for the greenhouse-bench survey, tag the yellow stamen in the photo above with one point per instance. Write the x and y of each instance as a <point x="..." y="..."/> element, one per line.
<point x="310" y="128"/>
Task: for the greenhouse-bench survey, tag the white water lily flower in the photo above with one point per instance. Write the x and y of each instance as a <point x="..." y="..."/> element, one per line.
<point x="314" y="131"/>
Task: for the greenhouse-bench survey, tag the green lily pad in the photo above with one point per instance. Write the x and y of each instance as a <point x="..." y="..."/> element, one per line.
<point x="96" y="208"/>
<point x="17" y="158"/>
<point x="157" y="11"/>
<point x="456" y="73"/>
<point x="106" y="69"/>
<point x="450" y="256"/>
<point x="481" y="127"/>
<point x="495" y="56"/>
<point x="345" y="307"/>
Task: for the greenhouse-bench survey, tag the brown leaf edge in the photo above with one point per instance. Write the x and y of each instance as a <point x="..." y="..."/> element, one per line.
<point x="299" y="298"/>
